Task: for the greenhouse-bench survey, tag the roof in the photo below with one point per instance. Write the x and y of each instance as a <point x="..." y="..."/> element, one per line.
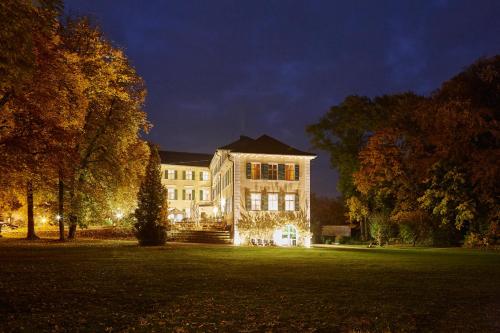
<point x="263" y="145"/>
<point x="184" y="158"/>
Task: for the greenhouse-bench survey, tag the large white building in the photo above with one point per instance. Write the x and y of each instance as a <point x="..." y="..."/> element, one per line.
<point x="259" y="189"/>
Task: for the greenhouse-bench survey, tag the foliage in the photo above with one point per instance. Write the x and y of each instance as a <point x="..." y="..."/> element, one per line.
<point x="415" y="227"/>
<point x="342" y="133"/>
<point x="263" y="224"/>
<point x="109" y="156"/>
<point x="71" y="111"/>
<point x="436" y="155"/>
<point x="150" y="228"/>
<point x="357" y="210"/>
<point x="380" y="227"/>
<point x="473" y="239"/>
<point x="447" y="197"/>
<point x="22" y="25"/>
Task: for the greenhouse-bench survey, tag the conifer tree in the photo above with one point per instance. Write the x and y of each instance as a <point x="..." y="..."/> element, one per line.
<point x="150" y="228"/>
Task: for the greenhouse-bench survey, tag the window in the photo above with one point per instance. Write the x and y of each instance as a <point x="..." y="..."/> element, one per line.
<point x="189" y="194"/>
<point x="289" y="236"/>
<point x="273" y="171"/>
<point x="290" y="202"/>
<point x="255" y="201"/>
<point x="171" y="193"/>
<point x="272" y="201"/>
<point x="204" y="175"/>
<point x="204" y="194"/>
<point x="170" y="174"/>
<point x="290" y="172"/>
<point x="189" y="175"/>
<point x="255" y="170"/>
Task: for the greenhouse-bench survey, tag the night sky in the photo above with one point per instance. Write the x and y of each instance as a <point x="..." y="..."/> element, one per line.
<point x="218" y="69"/>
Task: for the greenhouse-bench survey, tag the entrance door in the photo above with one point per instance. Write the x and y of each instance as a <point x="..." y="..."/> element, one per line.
<point x="289" y="236"/>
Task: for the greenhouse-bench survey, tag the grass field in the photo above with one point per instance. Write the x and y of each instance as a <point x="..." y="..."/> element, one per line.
<point x="116" y="286"/>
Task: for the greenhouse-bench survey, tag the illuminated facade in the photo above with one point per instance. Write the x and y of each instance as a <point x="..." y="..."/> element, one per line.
<point x="257" y="188"/>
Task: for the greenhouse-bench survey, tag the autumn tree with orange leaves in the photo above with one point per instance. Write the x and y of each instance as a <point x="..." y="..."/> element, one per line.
<point x="426" y="160"/>
<point x="70" y="120"/>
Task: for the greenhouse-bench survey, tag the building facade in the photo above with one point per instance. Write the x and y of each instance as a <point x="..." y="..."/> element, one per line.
<point x="257" y="188"/>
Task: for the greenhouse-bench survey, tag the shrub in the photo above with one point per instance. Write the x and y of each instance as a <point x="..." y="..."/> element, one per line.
<point x="475" y="239"/>
<point x="415" y="232"/>
<point x="380" y="227"/>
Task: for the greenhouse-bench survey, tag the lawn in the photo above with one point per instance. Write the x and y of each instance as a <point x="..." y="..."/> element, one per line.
<point x="117" y="286"/>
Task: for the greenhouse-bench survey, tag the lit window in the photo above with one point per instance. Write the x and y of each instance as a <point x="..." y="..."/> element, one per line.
<point x="272" y="201"/>
<point x="189" y="175"/>
<point x="273" y="171"/>
<point x="290" y="202"/>
<point x="255" y="170"/>
<point x="255" y="201"/>
<point x="171" y="193"/>
<point x="204" y="175"/>
<point x="204" y="195"/>
<point x="290" y="172"/>
<point x="170" y="174"/>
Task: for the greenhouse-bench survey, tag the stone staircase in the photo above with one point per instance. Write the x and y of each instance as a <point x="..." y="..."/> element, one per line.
<point x="200" y="236"/>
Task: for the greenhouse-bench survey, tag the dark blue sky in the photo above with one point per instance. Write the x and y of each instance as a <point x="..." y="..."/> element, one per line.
<point x="218" y="69"/>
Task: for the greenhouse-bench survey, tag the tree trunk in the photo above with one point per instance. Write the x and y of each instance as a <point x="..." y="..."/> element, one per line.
<point x="31" y="220"/>
<point x="61" y="209"/>
<point x="72" y="227"/>
<point x="362" y="229"/>
<point x="72" y="217"/>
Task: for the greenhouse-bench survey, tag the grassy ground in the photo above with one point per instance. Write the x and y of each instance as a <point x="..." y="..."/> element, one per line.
<point x="116" y="286"/>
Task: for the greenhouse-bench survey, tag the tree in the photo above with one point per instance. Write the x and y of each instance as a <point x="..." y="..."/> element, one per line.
<point x="150" y="228"/>
<point x="38" y="116"/>
<point x="108" y="157"/>
<point x="358" y="213"/>
<point x="343" y="132"/>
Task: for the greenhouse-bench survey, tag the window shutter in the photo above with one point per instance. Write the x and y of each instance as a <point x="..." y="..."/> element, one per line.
<point x="264" y="170"/>
<point x="296" y="172"/>
<point x="264" y="200"/>
<point x="175" y="174"/>
<point x="166" y="174"/>
<point x="281" y="171"/>
<point x="193" y="175"/>
<point x="193" y="196"/>
<point x="296" y="201"/>
<point x="249" y="170"/>
<point x="175" y="194"/>
<point x="281" y="201"/>
<point x="183" y="194"/>
<point x="184" y="174"/>
<point x="201" y="175"/>
<point x="248" y="202"/>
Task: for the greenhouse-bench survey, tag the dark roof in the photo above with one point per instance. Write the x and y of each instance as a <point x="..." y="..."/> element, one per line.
<point x="263" y="145"/>
<point x="183" y="158"/>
